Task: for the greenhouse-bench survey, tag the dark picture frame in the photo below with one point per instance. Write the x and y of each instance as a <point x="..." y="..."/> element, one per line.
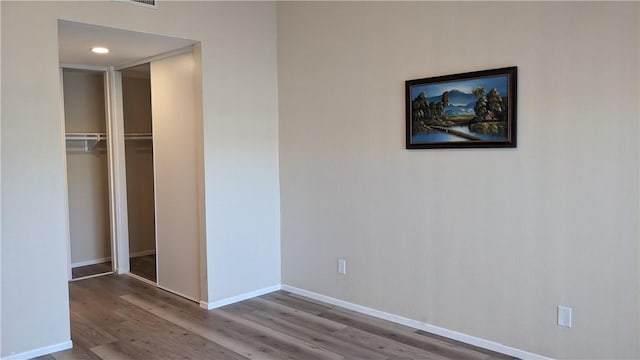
<point x="468" y="110"/>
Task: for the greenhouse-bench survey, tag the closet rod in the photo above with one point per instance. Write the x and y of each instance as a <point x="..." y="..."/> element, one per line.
<point x="85" y="136"/>
<point x="102" y="136"/>
<point x="138" y="136"/>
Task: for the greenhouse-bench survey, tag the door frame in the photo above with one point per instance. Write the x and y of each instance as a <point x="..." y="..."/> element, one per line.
<point x="117" y="167"/>
<point x="112" y="240"/>
<point x="117" y="171"/>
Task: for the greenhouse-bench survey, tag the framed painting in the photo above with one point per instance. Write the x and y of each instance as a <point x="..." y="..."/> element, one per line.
<point x="470" y="110"/>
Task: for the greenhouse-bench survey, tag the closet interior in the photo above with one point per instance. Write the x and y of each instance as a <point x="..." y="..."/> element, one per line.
<point x="138" y="144"/>
<point x="87" y="172"/>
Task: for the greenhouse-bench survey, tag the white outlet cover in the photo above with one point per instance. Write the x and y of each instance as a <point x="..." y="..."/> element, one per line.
<point x="342" y="266"/>
<point x="564" y="316"/>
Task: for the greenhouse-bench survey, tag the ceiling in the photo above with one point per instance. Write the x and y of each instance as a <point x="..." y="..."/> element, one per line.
<point x="75" y="41"/>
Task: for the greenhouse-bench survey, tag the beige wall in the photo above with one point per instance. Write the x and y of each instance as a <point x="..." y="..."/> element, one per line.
<point x="486" y="242"/>
<point x="84" y="101"/>
<point x="240" y="152"/>
<point x="88" y="206"/>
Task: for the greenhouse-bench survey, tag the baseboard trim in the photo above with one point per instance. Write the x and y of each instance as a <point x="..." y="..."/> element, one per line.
<point x="105" y="259"/>
<point x="237" y="298"/>
<point x="468" y="339"/>
<point x="142" y="253"/>
<point x="90" y="262"/>
<point x="91" y="276"/>
<point x="41" y="351"/>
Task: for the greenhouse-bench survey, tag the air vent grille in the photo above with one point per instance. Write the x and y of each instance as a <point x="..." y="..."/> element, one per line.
<point x="146" y="3"/>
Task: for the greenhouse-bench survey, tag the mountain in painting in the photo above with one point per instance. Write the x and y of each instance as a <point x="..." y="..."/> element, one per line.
<point x="457" y="110"/>
<point x="456" y="98"/>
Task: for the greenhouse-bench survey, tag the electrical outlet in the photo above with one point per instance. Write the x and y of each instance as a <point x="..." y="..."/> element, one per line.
<point x="342" y="266"/>
<point x="564" y="316"/>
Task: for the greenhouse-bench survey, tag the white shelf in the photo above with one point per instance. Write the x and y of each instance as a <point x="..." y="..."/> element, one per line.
<point x="83" y="141"/>
<point x="86" y="142"/>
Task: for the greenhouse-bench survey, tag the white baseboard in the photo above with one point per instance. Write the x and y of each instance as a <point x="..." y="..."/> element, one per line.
<point x="142" y="253"/>
<point x="40" y="352"/>
<point x="105" y="259"/>
<point x="91" y="276"/>
<point x="90" y="262"/>
<point x="468" y="339"/>
<point x="237" y="298"/>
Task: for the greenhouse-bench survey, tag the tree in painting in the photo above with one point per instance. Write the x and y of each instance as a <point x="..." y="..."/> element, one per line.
<point x="491" y="114"/>
<point x="420" y="107"/>
<point x="494" y="105"/>
<point x="478" y="92"/>
<point x="427" y="113"/>
<point x="481" y="110"/>
<point x="445" y="99"/>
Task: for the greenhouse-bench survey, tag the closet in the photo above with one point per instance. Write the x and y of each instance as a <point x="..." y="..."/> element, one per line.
<point x="134" y="169"/>
<point x="87" y="172"/>
<point x="138" y="145"/>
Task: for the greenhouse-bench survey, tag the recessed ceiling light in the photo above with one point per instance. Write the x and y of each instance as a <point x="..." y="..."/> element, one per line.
<point x="100" y="50"/>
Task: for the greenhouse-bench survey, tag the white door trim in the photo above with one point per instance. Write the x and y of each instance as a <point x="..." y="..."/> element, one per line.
<point x="117" y="172"/>
<point x="66" y="180"/>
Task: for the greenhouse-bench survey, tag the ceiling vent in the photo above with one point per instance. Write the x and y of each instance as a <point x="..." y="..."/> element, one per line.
<point x="145" y="3"/>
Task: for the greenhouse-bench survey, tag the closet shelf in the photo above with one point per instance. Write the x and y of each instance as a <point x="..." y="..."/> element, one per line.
<point x="87" y="141"/>
<point x="138" y="136"/>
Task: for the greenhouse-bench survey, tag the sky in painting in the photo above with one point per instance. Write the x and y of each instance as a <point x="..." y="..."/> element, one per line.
<point x="499" y="82"/>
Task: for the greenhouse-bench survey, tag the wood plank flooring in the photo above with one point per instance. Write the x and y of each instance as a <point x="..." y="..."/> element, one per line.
<point x="118" y="317"/>
<point x="144" y="266"/>
<point x="89" y="270"/>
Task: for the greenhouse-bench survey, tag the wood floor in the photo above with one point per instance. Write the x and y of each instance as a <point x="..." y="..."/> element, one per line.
<point x="90" y="270"/>
<point x="144" y="266"/>
<point x="118" y="317"/>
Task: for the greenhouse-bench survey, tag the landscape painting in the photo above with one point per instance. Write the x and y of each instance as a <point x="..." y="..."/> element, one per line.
<point x="476" y="109"/>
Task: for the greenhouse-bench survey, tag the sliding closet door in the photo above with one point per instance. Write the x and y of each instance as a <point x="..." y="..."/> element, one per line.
<point x="175" y="162"/>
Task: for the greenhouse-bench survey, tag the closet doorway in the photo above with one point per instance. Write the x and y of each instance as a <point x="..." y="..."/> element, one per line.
<point x="153" y="145"/>
<point x="87" y="172"/>
<point x="138" y="148"/>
